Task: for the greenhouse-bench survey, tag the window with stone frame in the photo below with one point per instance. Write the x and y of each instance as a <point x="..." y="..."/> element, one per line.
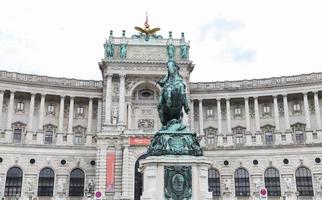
<point x="49" y="133"/>
<point x="76" y="183"/>
<point x="80" y="111"/>
<point x="13" y="183"/>
<point x="242" y="186"/>
<point x="210" y="134"/>
<point x="209" y="113"/>
<point x="20" y="106"/>
<point x="51" y="109"/>
<point x="304" y="184"/>
<point x="239" y="133"/>
<point x="297" y="108"/>
<point x="298" y="132"/>
<point x="267" y="110"/>
<point x="268" y="131"/>
<point x="272" y="181"/>
<point x="238" y="112"/>
<point x="46" y="182"/>
<point x="214" y="182"/>
<point x="18" y="130"/>
<point x="79" y="134"/>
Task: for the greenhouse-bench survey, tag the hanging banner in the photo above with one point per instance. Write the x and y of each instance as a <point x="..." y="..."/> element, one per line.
<point x="140" y="141"/>
<point x="110" y="172"/>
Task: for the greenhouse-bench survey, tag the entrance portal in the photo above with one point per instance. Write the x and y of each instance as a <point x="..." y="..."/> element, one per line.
<point x="138" y="184"/>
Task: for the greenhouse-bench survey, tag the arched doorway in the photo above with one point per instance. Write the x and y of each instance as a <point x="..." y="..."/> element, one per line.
<point x="138" y="181"/>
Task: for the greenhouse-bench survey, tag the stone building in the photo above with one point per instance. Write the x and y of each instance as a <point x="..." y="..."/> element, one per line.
<point x="61" y="136"/>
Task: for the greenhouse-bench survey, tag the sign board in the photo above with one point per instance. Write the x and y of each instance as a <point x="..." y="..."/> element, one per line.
<point x="140" y="141"/>
<point x="263" y="194"/>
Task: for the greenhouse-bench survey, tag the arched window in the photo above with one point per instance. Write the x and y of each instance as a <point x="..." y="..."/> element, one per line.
<point x="272" y="182"/>
<point x="46" y="182"/>
<point x="76" y="183"/>
<point x="138" y="183"/>
<point x="304" y="181"/>
<point x="214" y="182"/>
<point x="13" y="182"/>
<point x="242" y="182"/>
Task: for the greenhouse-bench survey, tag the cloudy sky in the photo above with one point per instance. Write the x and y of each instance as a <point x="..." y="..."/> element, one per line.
<point x="230" y="39"/>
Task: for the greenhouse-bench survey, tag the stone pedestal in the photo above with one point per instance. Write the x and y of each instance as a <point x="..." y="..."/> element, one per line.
<point x="158" y="169"/>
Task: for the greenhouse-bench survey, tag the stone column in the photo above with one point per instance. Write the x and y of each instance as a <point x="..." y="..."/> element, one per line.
<point x="10" y="110"/>
<point x="228" y="116"/>
<point x="125" y="176"/>
<point x="220" y="139"/>
<point x="286" y="114"/>
<point x="257" y="123"/>
<point x="61" y="114"/>
<point x="30" y="127"/>
<point x="276" y="114"/>
<point x="317" y="110"/>
<point x="89" y="121"/>
<point x="70" y="121"/>
<point x="8" y="131"/>
<point x="306" y="111"/>
<point x="60" y="131"/>
<point x="40" y="132"/>
<point x="108" y="99"/>
<point x="1" y="107"/>
<point x="99" y="115"/>
<point x="129" y="115"/>
<point x="247" y="114"/>
<point x="219" y="118"/>
<point x="200" y="117"/>
<point x="122" y="100"/>
<point x="192" y="115"/>
<point x="278" y="137"/>
<point x="41" y="112"/>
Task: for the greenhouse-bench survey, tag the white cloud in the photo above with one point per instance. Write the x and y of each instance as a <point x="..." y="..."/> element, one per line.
<point x="240" y="39"/>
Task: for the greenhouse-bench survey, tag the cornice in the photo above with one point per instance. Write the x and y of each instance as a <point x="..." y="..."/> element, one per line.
<point x="49" y="81"/>
<point x="274" y="82"/>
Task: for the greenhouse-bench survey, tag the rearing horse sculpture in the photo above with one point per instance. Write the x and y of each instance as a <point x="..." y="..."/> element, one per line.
<point x="173" y="97"/>
<point x="173" y="138"/>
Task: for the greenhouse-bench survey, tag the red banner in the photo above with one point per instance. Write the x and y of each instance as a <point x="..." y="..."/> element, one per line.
<point x="110" y="172"/>
<point x="140" y="141"/>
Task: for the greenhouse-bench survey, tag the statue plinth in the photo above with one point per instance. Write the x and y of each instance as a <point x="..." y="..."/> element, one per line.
<point x="175" y="177"/>
<point x="174" y="143"/>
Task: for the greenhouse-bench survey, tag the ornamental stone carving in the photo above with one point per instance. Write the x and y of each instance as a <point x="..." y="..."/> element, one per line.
<point x="146" y="123"/>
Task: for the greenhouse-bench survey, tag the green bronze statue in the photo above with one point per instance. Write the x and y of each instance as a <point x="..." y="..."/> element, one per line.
<point x="173" y="138"/>
<point x="123" y="48"/>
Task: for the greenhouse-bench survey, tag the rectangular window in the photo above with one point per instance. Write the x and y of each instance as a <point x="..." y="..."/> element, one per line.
<point x="78" y="139"/>
<point x="268" y="138"/>
<point x="17" y="133"/>
<point x="237" y="111"/>
<point x="297" y="107"/>
<point x="49" y="137"/>
<point x="283" y="137"/>
<point x="80" y="110"/>
<point x="266" y="109"/>
<point x="315" y="136"/>
<point x="239" y="140"/>
<point x="211" y="140"/>
<point x="299" y="137"/>
<point x="253" y="139"/>
<point x="224" y="140"/>
<point x="210" y="113"/>
<point x="51" y="108"/>
<point x="20" y="106"/>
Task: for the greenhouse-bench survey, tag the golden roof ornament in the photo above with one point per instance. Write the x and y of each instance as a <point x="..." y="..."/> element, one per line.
<point x="146" y="32"/>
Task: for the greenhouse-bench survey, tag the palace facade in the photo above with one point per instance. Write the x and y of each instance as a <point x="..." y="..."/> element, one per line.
<point x="61" y="136"/>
